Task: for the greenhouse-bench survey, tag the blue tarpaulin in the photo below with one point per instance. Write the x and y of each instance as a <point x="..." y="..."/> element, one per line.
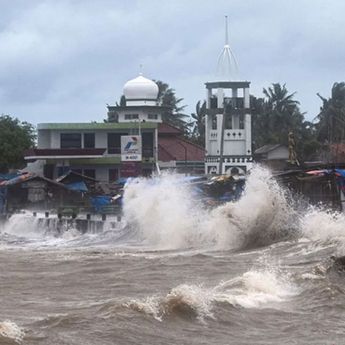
<point x="5" y="177"/>
<point x="340" y="173"/>
<point x="79" y="186"/>
<point x="99" y="201"/>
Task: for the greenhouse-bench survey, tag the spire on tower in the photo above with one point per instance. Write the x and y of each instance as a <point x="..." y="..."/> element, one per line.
<point x="227" y="68"/>
<point x="226" y="31"/>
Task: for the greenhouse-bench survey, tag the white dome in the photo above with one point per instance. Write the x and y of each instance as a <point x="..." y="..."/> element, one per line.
<point x="140" y="88"/>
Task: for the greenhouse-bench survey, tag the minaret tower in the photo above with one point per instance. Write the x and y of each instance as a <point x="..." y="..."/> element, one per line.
<point x="228" y="138"/>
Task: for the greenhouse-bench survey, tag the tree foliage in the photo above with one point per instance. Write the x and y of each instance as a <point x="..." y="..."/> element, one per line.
<point x="15" y="138"/>
<point x="275" y="115"/>
<point x="174" y="110"/>
<point x="198" y="123"/>
<point x="331" y="119"/>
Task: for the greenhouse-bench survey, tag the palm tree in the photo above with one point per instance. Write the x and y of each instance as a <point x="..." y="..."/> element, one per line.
<point x="331" y="125"/>
<point x="278" y="113"/>
<point x="282" y="112"/>
<point x="174" y="112"/>
<point x="279" y="98"/>
<point x="198" y="132"/>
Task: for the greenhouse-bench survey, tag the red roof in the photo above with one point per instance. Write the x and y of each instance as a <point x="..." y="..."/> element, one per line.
<point x="165" y="128"/>
<point x="179" y="149"/>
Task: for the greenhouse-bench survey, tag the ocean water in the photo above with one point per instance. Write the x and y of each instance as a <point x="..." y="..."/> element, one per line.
<point x="255" y="271"/>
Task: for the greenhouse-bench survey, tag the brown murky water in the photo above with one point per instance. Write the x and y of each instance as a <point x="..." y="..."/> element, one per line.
<point x="251" y="272"/>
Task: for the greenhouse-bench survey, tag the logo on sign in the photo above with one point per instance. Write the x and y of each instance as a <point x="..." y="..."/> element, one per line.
<point x="132" y="144"/>
<point x="131" y="148"/>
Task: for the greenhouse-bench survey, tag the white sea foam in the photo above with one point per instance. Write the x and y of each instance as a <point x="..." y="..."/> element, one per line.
<point x="256" y="289"/>
<point x="163" y="213"/>
<point x="168" y="216"/>
<point x="10" y="333"/>
<point x="23" y="225"/>
<point x="253" y="289"/>
<point x="323" y="225"/>
<point x="163" y="210"/>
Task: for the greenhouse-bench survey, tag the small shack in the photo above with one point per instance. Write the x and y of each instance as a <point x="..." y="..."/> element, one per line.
<point x="31" y="191"/>
<point x="73" y="180"/>
<point x="321" y="185"/>
<point x="274" y="156"/>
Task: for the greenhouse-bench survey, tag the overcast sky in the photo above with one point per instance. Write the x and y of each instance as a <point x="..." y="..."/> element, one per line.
<point x="62" y="61"/>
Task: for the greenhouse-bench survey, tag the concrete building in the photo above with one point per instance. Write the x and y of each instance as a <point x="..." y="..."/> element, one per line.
<point x="228" y="140"/>
<point x="96" y="149"/>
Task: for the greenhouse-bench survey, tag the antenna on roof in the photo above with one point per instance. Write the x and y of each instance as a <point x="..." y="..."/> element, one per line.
<point x="227" y="67"/>
<point x="226" y="31"/>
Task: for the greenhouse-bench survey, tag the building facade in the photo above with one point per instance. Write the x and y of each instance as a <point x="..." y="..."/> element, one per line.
<point x="228" y="139"/>
<point x="92" y="149"/>
<point x="96" y="149"/>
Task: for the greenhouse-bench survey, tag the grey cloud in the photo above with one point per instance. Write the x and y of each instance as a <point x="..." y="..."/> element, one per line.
<point x="63" y="58"/>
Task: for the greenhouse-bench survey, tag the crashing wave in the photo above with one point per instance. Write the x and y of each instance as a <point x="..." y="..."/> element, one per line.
<point x="10" y="333"/>
<point x="253" y="289"/>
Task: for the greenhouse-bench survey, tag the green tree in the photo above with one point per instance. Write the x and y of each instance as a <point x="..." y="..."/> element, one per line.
<point x="283" y="112"/>
<point x="331" y="119"/>
<point x="15" y="138"/>
<point x="174" y="110"/>
<point x="122" y="102"/>
<point x="260" y="122"/>
<point x="278" y="113"/>
<point x="198" y="130"/>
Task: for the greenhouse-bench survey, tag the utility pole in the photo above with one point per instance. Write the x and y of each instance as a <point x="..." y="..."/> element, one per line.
<point x="222" y="141"/>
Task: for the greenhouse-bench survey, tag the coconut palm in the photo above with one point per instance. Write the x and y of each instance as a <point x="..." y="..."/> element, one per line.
<point x="331" y="119"/>
<point x="198" y="131"/>
<point x="282" y="112"/>
<point x="174" y="112"/>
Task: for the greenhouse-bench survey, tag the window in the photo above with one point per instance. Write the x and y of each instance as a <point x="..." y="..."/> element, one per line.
<point x="89" y="140"/>
<point x="114" y="142"/>
<point x="113" y="175"/>
<point x="213" y="102"/>
<point x="214" y="122"/>
<point x="152" y="116"/>
<point x="70" y="140"/>
<point x="228" y="121"/>
<point x="90" y="173"/>
<point x="131" y="116"/>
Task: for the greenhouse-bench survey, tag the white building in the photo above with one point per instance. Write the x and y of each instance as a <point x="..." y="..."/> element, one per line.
<point x="228" y="139"/>
<point x="94" y="149"/>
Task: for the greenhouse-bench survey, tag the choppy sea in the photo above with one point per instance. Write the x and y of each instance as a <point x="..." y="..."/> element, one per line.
<point x="174" y="271"/>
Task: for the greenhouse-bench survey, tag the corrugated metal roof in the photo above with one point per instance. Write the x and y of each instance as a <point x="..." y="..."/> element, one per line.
<point x="174" y="148"/>
<point x="266" y="148"/>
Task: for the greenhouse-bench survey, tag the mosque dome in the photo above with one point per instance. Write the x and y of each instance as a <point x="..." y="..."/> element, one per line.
<point x="140" y="88"/>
